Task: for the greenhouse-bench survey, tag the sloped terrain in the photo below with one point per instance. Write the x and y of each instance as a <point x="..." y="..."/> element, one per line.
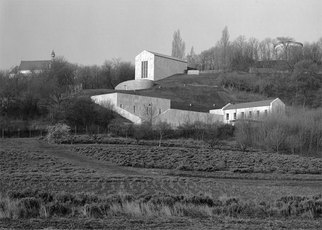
<point x="195" y="92"/>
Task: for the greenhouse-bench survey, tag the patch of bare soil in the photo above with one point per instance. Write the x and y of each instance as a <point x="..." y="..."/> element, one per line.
<point x="161" y="224"/>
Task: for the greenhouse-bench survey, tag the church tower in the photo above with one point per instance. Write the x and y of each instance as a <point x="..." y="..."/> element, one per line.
<point x="53" y="55"/>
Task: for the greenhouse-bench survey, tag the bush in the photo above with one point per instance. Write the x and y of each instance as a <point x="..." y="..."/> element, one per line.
<point x="28" y="207"/>
<point x="143" y="131"/>
<point x="121" y="129"/>
<point x="58" y="132"/>
<point x="83" y="112"/>
<point x="299" y="132"/>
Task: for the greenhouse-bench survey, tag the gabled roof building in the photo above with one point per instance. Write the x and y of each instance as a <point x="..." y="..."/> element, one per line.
<point x="27" y="67"/>
<point x="154" y="66"/>
<point x="251" y="110"/>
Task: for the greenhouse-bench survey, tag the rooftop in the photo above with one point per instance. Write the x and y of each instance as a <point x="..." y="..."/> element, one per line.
<point x="34" y="65"/>
<point x="167" y="56"/>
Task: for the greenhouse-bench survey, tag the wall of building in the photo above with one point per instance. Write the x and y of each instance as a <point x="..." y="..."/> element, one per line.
<point x="277" y="106"/>
<point x="249" y="113"/>
<point x="111" y="101"/>
<point x="135" y="84"/>
<point x="176" y="117"/>
<point x="147" y="108"/>
<point x="105" y="100"/>
<point x="144" y="56"/>
<point x="165" y="67"/>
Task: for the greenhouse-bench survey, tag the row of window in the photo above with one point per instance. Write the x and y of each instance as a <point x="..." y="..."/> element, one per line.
<point x="242" y="115"/>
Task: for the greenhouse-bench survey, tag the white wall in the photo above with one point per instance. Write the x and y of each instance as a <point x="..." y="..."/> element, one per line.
<point x="246" y="112"/>
<point x="277" y="106"/>
<point x="144" y="56"/>
<point x="105" y="99"/>
<point x="165" y="67"/>
<point x="158" y="67"/>
<point x="177" y="117"/>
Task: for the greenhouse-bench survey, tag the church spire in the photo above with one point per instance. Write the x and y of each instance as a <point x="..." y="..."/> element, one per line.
<point x="53" y="54"/>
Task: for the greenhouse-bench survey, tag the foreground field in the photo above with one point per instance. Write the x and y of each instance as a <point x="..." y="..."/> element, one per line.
<point x="33" y="164"/>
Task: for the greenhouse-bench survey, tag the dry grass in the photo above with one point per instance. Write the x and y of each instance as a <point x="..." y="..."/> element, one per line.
<point x="32" y="205"/>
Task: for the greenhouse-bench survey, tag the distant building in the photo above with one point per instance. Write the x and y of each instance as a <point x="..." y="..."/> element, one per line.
<point x="154" y="66"/>
<point x="251" y="110"/>
<point x="28" y="67"/>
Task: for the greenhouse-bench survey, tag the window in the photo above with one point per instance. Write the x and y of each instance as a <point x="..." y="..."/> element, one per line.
<point x="144" y="69"/>
<point x="235" y="116"/>
<point x="257" y="113"/>
<point x="250" y="114"/>
<point x="227" y="116"/>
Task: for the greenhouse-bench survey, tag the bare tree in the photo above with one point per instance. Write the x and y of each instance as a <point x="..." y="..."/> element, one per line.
<point x="266" y="49"/>
<point x="192" y="58"/>
<point x="178" y="45"/>
<point x="286" y="44"/>
<point x="224" y="45"/>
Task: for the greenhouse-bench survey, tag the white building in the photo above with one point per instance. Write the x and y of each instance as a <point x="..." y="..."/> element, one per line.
<point x="250" y="110"/>
<point x="138" y="109"/>
<point x="154" y="66"/>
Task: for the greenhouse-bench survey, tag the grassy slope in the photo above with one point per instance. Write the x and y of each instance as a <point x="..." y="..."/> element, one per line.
<point x="201" y="91"/>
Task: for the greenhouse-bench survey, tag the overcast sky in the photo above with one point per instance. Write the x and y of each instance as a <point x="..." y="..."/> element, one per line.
<point x="91" y="31"/>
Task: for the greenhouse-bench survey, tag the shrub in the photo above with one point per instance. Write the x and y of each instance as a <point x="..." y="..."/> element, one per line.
<point x="59" y="209"/>
<point x="56" y="133"/>
<point x="28" y="207"/>
<point x="121" y="129"/>
<point x="143" y="131"/>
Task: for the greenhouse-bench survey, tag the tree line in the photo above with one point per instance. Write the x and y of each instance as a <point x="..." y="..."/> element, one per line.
<point x="49" y="94"/>
<point x="242" y="53"/>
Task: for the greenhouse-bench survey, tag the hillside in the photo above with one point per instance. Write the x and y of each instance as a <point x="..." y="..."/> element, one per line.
<point x="203" y="92"/>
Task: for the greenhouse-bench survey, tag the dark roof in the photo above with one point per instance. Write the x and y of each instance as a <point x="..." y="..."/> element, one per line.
<point x="34" y="65"/>
<point x="248" y="104"/>
<point x="168" y="57"/>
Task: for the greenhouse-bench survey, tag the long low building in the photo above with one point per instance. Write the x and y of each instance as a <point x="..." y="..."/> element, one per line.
<point x="251" y="110"/>
<point x="139" y="109"/>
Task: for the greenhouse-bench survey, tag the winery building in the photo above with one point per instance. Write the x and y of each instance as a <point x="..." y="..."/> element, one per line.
<point x="154" y="66"/>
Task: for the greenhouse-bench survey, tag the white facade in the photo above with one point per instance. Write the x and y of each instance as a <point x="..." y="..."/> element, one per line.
<point x="251" y="111"/>
<point x="139" y="109"/>
<point x="135" y="108"/>
<point x="154" y="66"/>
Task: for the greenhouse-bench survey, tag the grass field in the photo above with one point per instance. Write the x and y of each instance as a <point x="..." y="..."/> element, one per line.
<point x="100" y="170"/>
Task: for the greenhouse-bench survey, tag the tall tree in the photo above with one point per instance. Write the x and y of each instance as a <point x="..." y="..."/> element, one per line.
<point x="178" y="45"/>
<point x="192" y="58"/>
<point x="224" y="45"/>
